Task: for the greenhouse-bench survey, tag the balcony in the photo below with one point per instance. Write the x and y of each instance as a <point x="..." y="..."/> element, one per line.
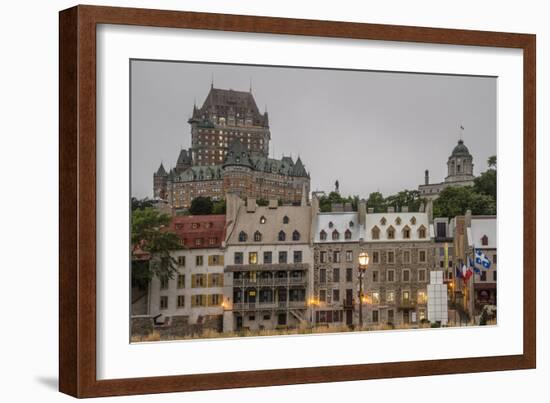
<point x="251" y="306"/>
<point x="267" y="267"/>
<point x="270" y="282"/>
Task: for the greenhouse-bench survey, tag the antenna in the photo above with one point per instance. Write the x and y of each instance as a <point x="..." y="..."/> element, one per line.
<point x="250" y="87"/>
<point x="461" y="133"/>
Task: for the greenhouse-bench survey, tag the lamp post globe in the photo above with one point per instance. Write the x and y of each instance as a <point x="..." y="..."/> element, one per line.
<point x="363" y="259"/>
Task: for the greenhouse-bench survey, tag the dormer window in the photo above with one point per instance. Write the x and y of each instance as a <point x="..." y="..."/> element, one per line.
<point x="282" y="236"/>
<point x="351" y="224"/>
<point x="335" y="235"/>
<point x="413" y="221"/>
<point x="383" y="221"/>
<point x="257" y="236"/>
<point x="398" y="221"/>
<point x="286" y="220"/>
<point x="347" y="234"/>
<point x="375" y="232"/>
<point x="242" y="236"/>
<point x="295" y="236"/>
<point x="422" y="232"/>
<point x="323" y="235"/>
<point x="406" y="233"/>
<point x="262" y="220"/>
<point x="391" y="233"/>
<point x="485" y="240"/>
<point x="330" y="224"/>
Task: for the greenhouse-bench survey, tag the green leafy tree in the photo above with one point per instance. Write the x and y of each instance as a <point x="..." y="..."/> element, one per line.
<point x="453" y="201"/>
<point x="141" y="203"/>
<point x="150" y="235"/>
<point x="492" y="161"/>
<point x="486" y="183"/>
<point x="219" y="207"/>
<point x="377" y="202"/>
<point x="201" y="206"/>
<point x="409" y="198"/>
<point x="262" y="202"/>
<point x="326" y="202"/>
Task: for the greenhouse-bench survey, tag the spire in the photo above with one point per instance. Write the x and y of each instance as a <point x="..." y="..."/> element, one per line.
<point x="461" y="134"/>
<point x="161" y="171"/>
<point x="212" y="82"/>
<point x="250" y="88"/>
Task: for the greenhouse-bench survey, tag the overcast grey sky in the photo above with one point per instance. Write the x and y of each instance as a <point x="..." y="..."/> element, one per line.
<point x="373" y="131"/>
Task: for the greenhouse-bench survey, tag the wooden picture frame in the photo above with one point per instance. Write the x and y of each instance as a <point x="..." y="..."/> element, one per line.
<point x="77" y="182"/>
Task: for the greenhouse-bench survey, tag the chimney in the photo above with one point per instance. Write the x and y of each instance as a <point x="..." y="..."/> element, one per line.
<point x="468" y="218"/>
<point x="273" y="204"/>
<point x="370" y="210"/>
<point x="426" y="177"/>
<point x="337" y="207"/>
<point x="348" y="207"/>
<point x="250" y="205"/>
<point x="421" y="207"/>
<point x="362" y="211"/>
<point x="314" y="204"/>
<point x="430" y="211"/>
<point x="405" y="209"/>
<point x="391" y="209"/>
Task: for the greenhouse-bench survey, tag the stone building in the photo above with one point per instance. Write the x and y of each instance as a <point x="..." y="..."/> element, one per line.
<point x="476" y="232"/>
<point x="337" y="238"/>
<point x="191" y="301"/>
<point x="268" y="274"/>
<point x="230" y="154"/>
<point x="400" y="245"/>
<point x="460" y="172"/>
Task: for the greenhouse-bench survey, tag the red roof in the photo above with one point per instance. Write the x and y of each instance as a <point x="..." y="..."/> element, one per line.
<point x="200" y="231"/>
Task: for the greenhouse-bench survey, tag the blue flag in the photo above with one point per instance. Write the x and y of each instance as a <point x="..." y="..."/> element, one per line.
<point x="481" y="259"/>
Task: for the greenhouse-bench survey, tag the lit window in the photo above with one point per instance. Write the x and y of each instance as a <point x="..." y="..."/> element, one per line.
<point x="253" y="258"/>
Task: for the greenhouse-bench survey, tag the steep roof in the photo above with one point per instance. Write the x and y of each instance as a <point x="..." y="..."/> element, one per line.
<point x="340" y="222"/>
<point x="299" y="219"/>
<point x="184" y="157"/>
<point x="210" y="229"/>
<point x="222" y="102"/>
<point x="161" y="171"/>
<point x="483" y="226"/>
<point x="237" y="154"/>
<point x="198" y="172"/>
<point x="398" y="221"/>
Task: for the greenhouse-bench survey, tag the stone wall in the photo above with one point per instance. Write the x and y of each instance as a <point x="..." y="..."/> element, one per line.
<point x="176" y="326"/>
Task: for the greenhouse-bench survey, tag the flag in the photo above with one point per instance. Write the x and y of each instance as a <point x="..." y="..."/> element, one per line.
<point x="466" y="272"/>
<point x="458" y="272"/>
<point x="481" y="259"/>
<point x="473" y="266"/>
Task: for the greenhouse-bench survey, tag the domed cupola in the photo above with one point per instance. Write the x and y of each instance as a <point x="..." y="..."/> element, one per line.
<point x="460" y="166"/>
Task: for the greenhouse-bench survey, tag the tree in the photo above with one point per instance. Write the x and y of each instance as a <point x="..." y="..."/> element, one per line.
<point x="408" y="198"/>
<point x="486" y="183"/>
<point x="151" y="236"/>
<point x="454" y="200"/>
<point x="492" y="161"/>
<point x="219" y="207"/>
<point x="141" y="203"/>
<point x="377" y="202"/>
<point x="201" y="206"/>
<point x="326" y="202"/>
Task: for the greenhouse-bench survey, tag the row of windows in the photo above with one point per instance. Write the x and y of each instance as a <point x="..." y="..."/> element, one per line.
<point x="213" y="260"/>
<point x="397" y="221"/>
<point x="374" y="275"/>
<point x="390" y="232"/>
<point x="243" y="236"/>
<point x="323" y="256"/>
<point x="391" y="256"/>
<point x="198" y="280"/>
<point x="375" y="297"/>
<point x="238" y="257"/>
<point x="198" y="300"/>
<point x="335" y="275"/>
<point x="335" y="235"/>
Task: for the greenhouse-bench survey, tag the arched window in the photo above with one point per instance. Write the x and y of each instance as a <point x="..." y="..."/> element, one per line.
<point x="391" y="233"/>
<point x="485" y="240"/>
<point x="375" y="232"/>
<point x="286" y="220"/>
<point x="262" y="220"/>
<point x="383" y="221"/>
<point x="242" y="236"/>
<point x="351" y="224"/>
<point x="413" y="221"/>
<point x="335" y="235"/>
<point x="257" y="236"/>
<point x="323" y="235"/>
<point x="398" y="221"/>
<point x="406" y="232"/>
<point x="282" y="236"/>
<point x="347" y="234"/>
<point x="330" y="224"/>
<point x="295" y="236"/>
<point x="422" y="232"/>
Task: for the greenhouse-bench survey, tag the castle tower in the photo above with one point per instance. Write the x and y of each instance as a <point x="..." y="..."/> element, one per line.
<point x="460" y="166"/>
<point x="227" y="115"/>
<point x="160" y="182"/>
<point x="237" y="167"/>
<point x="184" y="161"/>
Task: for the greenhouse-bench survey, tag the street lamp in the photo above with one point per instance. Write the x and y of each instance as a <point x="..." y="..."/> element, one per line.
<point x="363" y="265"/>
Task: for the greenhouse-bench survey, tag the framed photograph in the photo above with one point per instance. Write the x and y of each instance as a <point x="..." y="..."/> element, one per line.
<point x="254" y="201"/>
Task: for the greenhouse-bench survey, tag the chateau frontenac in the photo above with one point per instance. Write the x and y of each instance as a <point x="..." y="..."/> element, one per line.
<point x="230" y="154"/>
